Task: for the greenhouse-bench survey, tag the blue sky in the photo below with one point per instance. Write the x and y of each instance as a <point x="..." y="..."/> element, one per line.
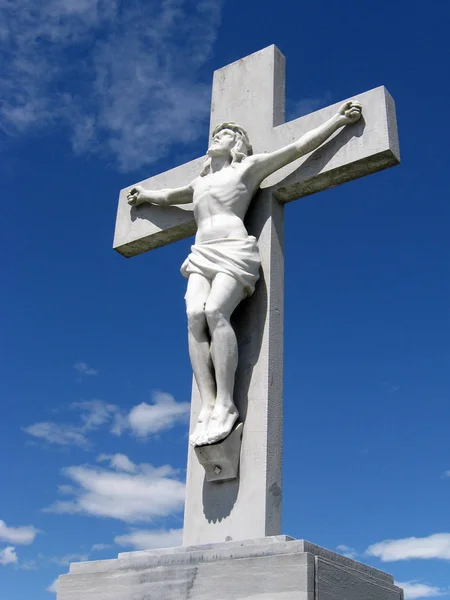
<point x="95" y="382"/>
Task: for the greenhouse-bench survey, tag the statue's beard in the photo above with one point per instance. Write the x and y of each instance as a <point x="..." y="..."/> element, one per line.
<point x="217" y="151"/>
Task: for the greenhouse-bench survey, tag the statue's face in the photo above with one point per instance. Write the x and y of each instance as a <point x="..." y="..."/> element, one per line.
<point x="222" y="143"/>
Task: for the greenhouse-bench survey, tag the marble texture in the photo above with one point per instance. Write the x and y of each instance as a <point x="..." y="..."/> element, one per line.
<point x="221" y="460"/>
<point x="224" y="263"/>
<point x="277" y="568"/>
<point x="372" y="146"/>
<point x="251" y="92"/>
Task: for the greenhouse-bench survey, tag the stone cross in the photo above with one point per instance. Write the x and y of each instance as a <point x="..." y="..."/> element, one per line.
<point x="251" y="93"/>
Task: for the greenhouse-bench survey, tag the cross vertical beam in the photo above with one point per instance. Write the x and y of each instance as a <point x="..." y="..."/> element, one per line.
<point x="250" y="92"/>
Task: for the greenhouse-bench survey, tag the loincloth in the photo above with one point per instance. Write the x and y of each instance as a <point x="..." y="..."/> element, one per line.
<point x="237" y="257"/>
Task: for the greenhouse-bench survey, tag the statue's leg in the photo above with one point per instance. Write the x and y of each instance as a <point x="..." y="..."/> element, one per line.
<point x="197" y="293"/>
<point x="226" y="294"/>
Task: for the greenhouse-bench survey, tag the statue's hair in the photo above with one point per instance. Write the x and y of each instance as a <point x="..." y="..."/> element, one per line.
<point x="241" y="149"/>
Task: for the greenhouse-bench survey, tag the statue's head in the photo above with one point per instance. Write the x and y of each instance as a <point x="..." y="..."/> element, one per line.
<point x="228" y="137"/>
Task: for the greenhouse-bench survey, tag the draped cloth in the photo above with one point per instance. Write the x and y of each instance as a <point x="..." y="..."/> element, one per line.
<point x="237" y="257"/>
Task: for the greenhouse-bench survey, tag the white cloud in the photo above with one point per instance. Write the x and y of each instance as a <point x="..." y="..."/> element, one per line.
<point x="142" y="495"/>
<point x="146" y="539"/>
<point x="62" y="66"/>
<point x="8" y="556"/>
<point x="18" y="535"/>
<point x="84" y="369"/>
<point x="147" y="419"/>
<point x="415" y="589"/>
<point x="445" y="474"/>
<point x="53" y="587"/>
<point x="119" y="462"/>
<point x="347" y="551"/>
<point x="433" y="546"/>
<point x="94" y="413"/>
<point x="142" y="420"/>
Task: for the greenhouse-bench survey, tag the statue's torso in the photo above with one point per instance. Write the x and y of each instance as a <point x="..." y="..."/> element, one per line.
<point x="221" y="201"/>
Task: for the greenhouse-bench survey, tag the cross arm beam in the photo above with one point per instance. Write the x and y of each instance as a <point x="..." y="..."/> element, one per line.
<point x="146" y="227"/>
<point x="368" y="146"/>
<point x="356" y="150"/>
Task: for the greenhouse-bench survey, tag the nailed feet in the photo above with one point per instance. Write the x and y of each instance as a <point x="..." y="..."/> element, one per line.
<point x="200" y="433"/>
<point x="214" y="425"/>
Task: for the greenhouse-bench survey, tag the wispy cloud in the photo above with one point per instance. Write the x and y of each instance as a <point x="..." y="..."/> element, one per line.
<point x="142" y="495"/>
<point x="18" y="535"/>
<point x="123" y="76"/>
<point x="446" y="474"/>
<point x="433" y="546"/>
<point x="142" y="420"/>
<point x="65" y="560"/>
<point x="100" y="547"/>
<point x="146" y="539"/>
<point x="84" y="369"/>
<point x="415" y="589"/>
<point x="8" y="556"/>
<point x="60" y="434"/>
<point x="94" y="413"/>
<point x="29" y="565"/>
<point x="347" y="551"/>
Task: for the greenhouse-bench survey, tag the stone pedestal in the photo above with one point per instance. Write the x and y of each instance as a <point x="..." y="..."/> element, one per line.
<point x="272" y="568"/>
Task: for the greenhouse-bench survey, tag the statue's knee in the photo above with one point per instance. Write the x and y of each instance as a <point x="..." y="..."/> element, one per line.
<point x="214" y="315"/>
<point x="196" y="319"/>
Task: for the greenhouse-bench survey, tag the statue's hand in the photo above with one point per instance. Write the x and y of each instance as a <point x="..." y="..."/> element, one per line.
<point x="349" y="112"/>
<point x="137" y="195"/>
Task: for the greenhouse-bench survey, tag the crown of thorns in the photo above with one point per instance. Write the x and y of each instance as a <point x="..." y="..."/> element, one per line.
<point x="237" y="129"/>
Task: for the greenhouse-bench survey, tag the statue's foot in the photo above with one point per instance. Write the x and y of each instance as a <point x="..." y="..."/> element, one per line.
<point x="200" y="434"/>
<point x="221" y="423"/>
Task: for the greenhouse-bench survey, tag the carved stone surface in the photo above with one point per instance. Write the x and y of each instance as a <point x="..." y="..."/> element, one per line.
<point x="278" y="568"/>
<point x="251" y="92"/>
<point x="223" y="266"/>
<point x="371" y="147"/>
<point x="221" y="460"/>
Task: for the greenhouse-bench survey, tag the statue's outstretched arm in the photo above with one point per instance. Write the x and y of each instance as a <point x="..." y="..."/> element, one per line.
<point x="266" y="164"/>
<point x="139" y="195"/>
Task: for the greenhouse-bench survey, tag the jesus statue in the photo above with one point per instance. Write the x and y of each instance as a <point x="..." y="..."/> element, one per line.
<point x="224" y="263"/>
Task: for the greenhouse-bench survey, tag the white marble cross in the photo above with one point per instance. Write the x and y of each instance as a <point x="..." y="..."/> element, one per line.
<point x="251" y="93"/>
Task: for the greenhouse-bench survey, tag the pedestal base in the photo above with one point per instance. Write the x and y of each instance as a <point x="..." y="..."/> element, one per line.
<point x="273" y="568"/>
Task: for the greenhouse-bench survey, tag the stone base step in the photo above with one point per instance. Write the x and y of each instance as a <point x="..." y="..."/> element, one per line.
<point x="274" y="568"/>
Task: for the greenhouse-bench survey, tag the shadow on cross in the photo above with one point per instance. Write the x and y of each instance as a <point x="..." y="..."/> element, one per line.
<point x="295" y="181"/>
<point x="220" y="497"/>
<point x="165" y="218"/>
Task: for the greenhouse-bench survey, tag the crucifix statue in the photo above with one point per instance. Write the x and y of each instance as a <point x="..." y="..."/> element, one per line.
<point x="233" y="201"/>
<point x="224" y="264"/>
